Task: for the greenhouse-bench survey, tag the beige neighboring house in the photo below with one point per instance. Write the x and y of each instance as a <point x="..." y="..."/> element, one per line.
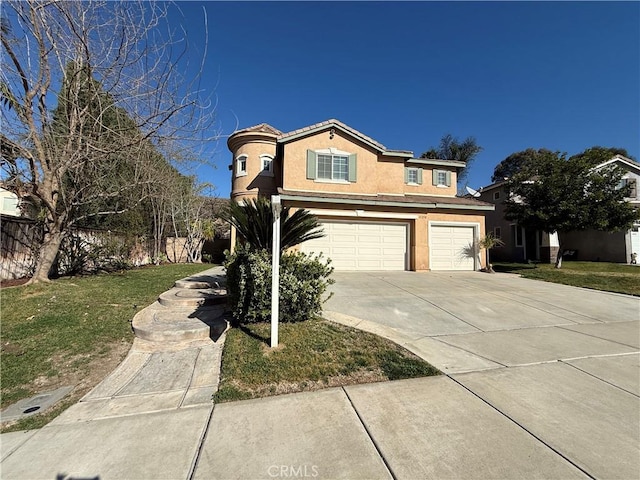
<point x="9" y="203"/>
<point x="381" y="209"/>
<point x="523" y="244"/>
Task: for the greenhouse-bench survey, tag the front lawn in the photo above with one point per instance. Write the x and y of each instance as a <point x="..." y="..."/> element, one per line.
<point x="313" y="354"/>
<point x="610" y="277"/>
<point x="74" y="331"/>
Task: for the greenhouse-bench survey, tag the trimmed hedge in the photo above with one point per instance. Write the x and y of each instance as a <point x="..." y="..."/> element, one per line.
<point x="303" y="281"/>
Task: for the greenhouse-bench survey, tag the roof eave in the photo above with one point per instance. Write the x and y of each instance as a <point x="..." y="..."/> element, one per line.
<point x="290" y="137"/>
<point x="385" y="203"/>
<point x="433" y="161"/>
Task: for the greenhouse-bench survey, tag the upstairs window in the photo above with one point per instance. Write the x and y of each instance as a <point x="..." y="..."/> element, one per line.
<point x="241" y="165"/>
<point x="413" y="176"/>
<point x="267" y="164"/>
<point x="442" y="178"/>
<point x="629" y="181"/>
<point x="331" y="165"/>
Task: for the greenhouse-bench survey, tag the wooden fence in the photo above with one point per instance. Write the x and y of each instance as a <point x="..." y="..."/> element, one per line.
<point x="19" y="240"/>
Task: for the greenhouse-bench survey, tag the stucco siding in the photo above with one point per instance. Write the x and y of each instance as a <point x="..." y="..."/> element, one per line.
<point x="376" y="173"/>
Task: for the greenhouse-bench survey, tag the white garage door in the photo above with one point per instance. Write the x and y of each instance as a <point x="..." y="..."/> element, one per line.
<point x="451" y="248"/>
<point x="362" y="246"/>
<point x="635" y="241"/>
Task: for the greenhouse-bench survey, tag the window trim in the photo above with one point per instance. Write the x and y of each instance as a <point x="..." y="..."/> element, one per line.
<point x="268" y="172"/>
<point x="496" y="195"/>
<point x="240" y="172"/>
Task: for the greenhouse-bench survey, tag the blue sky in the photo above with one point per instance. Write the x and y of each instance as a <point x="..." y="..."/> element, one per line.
<point x="559" y="75"/>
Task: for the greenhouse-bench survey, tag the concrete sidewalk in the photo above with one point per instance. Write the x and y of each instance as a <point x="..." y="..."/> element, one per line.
<point x="515" y="404"/>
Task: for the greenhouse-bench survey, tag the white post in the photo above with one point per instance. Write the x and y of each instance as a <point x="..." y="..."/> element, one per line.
<point x="276" y="207"/>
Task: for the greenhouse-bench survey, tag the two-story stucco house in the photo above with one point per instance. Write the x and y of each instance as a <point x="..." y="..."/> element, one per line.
<point x="590" y="245"/>
<point x="381" y="209"/>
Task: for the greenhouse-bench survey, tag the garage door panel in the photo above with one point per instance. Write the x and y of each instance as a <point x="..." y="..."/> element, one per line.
<point x="343" y="251"/>
<point x="452" y="247"/>
<point x="340" y="238"/>
<point x="373" y="228"/>
<point x="363" y="251"/>
<point x="362" y="245"/>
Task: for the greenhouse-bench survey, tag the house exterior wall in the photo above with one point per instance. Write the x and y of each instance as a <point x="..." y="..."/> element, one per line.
<point x="494" y="220"/>
<point x="376" y="174"/>
<point x="417" y="220"/>
<point x="379" y="173"/>
<point x="255" y="182"/>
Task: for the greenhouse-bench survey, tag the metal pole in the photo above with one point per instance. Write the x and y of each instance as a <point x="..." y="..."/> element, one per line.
<point x="275" y="269"/>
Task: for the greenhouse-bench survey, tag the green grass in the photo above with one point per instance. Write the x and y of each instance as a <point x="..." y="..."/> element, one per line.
<point x="63" y="330"/>
<point x="311" y="355"/>
<point x="610" y="277"/>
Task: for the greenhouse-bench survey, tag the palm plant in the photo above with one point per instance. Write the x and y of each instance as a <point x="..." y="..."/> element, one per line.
<point x="488" y="242"/>
<point x="253" y="220"/>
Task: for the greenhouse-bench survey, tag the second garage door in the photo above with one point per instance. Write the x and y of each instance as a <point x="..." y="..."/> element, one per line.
<point x="362" y="246"/>
<point x="452" y="247"/>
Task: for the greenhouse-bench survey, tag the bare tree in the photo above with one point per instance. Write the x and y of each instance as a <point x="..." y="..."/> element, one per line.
<point x="93" y="93"/>
<point x="192" y="217"/>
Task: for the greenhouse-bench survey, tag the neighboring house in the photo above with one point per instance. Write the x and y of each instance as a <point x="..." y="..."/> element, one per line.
<point x="591" y="245"/>
<point x="9" y="203"/>
<point x="381" y="209"/>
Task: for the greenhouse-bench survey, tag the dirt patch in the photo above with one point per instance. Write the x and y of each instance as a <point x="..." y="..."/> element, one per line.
<point x="82" y="371"/>
<point x="11" y="349"/>
<point x="15" y="282"/>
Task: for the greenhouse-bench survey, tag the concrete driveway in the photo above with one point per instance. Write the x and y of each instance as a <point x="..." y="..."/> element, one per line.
<point x="561" y="363"/>
<point x="542" y="381"/>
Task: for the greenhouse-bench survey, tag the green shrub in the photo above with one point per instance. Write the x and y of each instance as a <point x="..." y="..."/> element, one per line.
<point x="303" y="281"/>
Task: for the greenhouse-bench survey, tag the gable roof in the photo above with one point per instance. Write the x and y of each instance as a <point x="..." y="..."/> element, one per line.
<point x="337" y="124"/>
<point x="623" y="162"/>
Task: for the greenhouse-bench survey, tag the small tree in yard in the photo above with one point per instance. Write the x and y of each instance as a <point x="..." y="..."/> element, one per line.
<point x="488" y="242"/>
<point x="191" y="216"/>
<point x="551" y="193"/>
